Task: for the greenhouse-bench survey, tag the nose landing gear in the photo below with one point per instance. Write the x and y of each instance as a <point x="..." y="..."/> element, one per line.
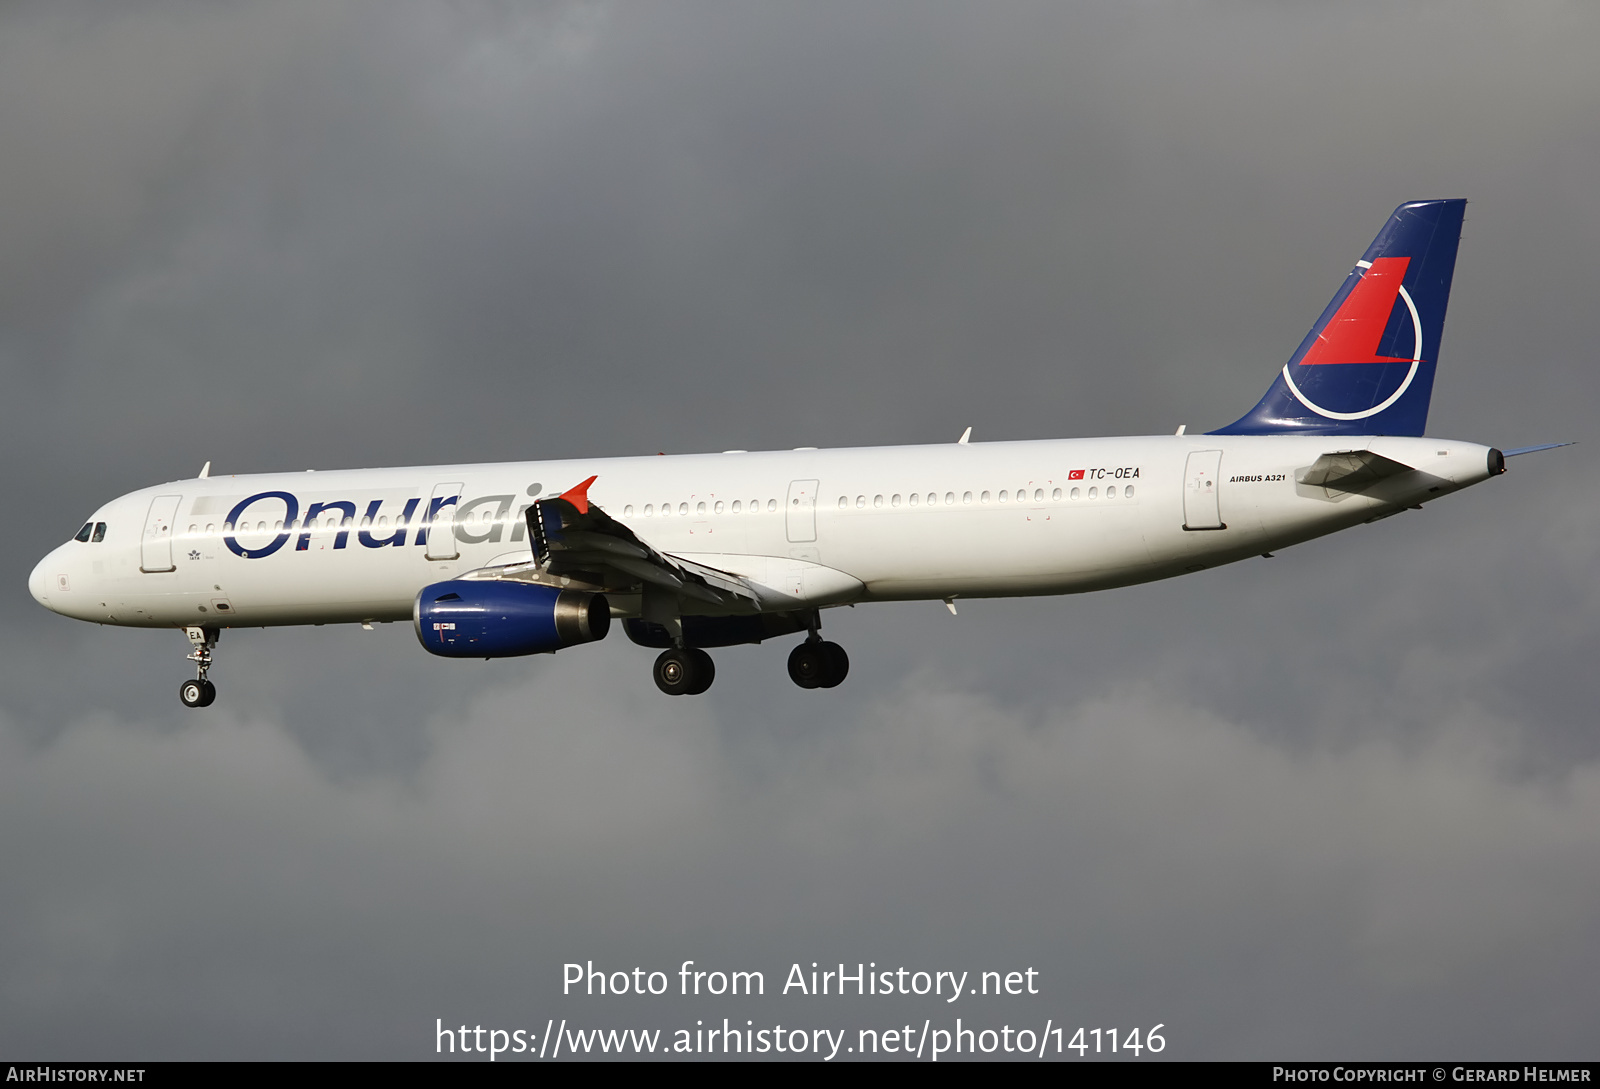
<point x="199" y="692"/>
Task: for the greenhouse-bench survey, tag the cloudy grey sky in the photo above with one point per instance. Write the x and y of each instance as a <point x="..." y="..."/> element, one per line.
<point x="1341" y="803"/>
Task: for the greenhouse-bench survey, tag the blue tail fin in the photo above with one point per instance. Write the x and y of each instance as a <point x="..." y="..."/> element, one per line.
<point x="1366" y="367"/>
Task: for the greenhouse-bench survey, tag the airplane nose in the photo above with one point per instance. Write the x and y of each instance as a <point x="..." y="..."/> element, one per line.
<point x="37" y="586"/>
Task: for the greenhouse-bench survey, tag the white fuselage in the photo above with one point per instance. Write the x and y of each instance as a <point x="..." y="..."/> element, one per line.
<point x="810" y="527"/>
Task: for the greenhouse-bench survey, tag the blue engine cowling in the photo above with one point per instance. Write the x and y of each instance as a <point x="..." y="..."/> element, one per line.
<point x="465" y="618"/>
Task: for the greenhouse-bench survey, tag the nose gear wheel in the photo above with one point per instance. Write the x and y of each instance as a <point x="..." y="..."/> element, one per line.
<point x="200" y="692"/>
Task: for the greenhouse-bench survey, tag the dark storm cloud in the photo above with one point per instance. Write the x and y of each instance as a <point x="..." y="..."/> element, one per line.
<point x="1283" y="806"/>
<point x="1138" y="852"/>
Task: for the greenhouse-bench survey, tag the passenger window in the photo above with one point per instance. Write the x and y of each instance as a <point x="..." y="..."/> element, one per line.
<point x="985" y="498"/>
<point x="895" y="500"/>
<point x="950" y="499"/>
<point x="1038" y="495"/>
<point x="877" y="501"/>
<point x="1111" y="492"/>
<point x="736" y="506"/>
<point x="933" y="499"/>
<point x="1056" y="495"/>
<point x="915" y="499"/>
<point x="1002" y="495"/>
<point x="683" y="508"/>
<point x="699" y="508"/>
<point x="1128" y="492"/>
<point x="719" y="506"/>
<point x="83" y="534"/>
<point x="772" y="504"/>
<point x="861" y="501"/>
<point x="627" y="511"/>
<point x="966" y="497"/>
<point x="1074" y="493"/>
<point x="1094" y="493"/>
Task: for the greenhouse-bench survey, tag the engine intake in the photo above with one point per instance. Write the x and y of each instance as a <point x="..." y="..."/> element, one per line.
<point x="465" y="618"/>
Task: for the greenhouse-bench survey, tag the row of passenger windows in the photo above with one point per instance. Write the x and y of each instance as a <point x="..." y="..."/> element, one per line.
<point x="718" y="507"/>
<point x="1002" y="496"/>
<point x="92" y="532"/>
<point x="915" y="499"/>
<point x="331" y="522"/>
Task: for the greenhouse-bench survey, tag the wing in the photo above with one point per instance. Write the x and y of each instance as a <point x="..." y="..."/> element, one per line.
<point x="574" y="537"/>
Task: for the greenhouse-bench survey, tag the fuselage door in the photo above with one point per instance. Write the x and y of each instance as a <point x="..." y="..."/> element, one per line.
<point x="155" y="547"/>
<point x="801" y="510"/>
<point x="442" y="522"/>
<point x="1200" y="477"/>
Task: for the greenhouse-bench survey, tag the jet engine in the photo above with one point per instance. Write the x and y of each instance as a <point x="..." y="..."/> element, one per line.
<point x="465" y="618"/>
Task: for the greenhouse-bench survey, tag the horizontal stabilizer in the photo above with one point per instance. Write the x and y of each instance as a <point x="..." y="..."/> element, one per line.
<point x="1350" y="470"/>
<point x="1535" y="449"/>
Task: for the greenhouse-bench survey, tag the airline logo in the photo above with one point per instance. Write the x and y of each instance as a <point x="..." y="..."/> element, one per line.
<point x="261" y="524"/>
<point x="1376" y="319"/>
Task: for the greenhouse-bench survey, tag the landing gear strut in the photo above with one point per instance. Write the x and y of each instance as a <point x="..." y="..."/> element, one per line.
<point x="199" y="692"/>
<point x="684" y="671"/>
<point x="818" y="664"/>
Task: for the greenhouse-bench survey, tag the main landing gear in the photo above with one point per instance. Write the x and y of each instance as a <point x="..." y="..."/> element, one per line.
<point x="199" y="692"/>
<point x="818" y="664"/>
<point x="684" y="671"/>
<point x="815" y="663"/>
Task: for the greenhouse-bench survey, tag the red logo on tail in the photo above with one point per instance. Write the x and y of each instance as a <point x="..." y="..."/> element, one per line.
<point x="1352" y="335"/>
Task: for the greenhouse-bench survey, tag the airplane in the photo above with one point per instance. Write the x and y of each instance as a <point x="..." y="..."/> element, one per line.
<point x="701" y="551"/>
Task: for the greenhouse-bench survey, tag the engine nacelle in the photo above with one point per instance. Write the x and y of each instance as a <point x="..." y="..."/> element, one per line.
<point x="466" y="618"/>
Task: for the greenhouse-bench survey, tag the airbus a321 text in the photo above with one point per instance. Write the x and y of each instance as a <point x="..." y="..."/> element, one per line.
<point x="713" y="550"/>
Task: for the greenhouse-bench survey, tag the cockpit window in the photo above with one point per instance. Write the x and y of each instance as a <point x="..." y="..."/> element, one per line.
<point x="83" y="534"/>
<point x="99" y="532"/>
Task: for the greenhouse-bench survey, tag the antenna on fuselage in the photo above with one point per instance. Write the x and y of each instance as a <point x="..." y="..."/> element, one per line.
<point x="205" y="471"/>
<point x="965" y="435"/>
